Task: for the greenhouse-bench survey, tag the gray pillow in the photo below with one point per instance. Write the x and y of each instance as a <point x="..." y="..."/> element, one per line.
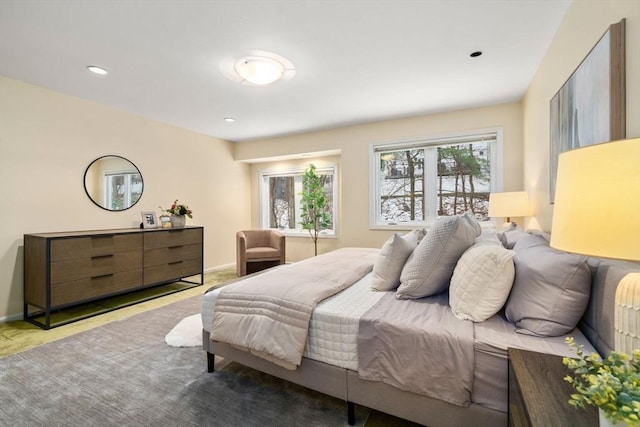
<point x="415" y="236"/>
<point x="389" y="262"/>
<point x="511" y="235"/>
<point x="429" y="268"/>
<point x="551" y="289"/>
<point x="473" y="222"/>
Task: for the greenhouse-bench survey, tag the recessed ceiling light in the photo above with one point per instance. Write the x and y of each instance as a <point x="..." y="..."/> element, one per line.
<point x="229" y="119"/>
<point x="475" y="54"/>
<point x="96" y="69"/>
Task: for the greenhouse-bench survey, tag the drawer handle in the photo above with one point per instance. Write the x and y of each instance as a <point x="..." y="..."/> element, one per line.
<point x="175" y="247"/>
<point x="176" y="262"/>
<point x="101" y="276"/>
<point x="102" y="256"/>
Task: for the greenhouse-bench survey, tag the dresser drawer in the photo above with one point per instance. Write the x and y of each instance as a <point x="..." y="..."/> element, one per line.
<point x="172" y="271"/>
<point x="172" y="238"/>
<point x="75" y="269"/>
<point x="86" y="247"/>
<point x="174" y="253"/>
<point x="91" y="288"/>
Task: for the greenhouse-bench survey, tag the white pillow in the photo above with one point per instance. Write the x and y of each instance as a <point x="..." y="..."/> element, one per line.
<point x="481" y="282"/>
<point x="488" y="237"/>
<point x="389" y="262"/>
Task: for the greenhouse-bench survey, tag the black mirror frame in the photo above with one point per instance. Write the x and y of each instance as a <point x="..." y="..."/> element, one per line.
<point x="84" y="182"/>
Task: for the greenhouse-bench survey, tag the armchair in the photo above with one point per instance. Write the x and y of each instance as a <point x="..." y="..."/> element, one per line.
<point x="258" y="249"/>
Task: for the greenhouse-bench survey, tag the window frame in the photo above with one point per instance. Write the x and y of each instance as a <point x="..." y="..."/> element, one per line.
<point x="321" y="169"/>
<point x="128" y="184"/>
<point x="496" y="169"/>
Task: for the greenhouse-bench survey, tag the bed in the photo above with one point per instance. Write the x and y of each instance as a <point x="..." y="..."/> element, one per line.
<point x="343" y="357"/>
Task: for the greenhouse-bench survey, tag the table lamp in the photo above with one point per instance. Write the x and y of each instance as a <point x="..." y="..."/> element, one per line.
<point x="597" y="213"/>
<point x="509" y="204"/>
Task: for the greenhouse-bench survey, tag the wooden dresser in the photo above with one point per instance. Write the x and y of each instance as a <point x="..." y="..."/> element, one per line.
<point x="66" y="269"/>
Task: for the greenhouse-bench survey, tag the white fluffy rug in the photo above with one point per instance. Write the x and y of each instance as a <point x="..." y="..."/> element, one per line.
<point x="187" y="333"/>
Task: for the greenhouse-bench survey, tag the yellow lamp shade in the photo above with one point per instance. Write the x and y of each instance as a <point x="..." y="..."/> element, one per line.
<point x="509" y="204"/>
<point x="597" y="201"/>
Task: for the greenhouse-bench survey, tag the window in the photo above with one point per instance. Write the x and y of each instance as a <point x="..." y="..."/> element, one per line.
<point x="123" y="189"/>
<point x="416" y="182"/>
<point x="280" y="199"/>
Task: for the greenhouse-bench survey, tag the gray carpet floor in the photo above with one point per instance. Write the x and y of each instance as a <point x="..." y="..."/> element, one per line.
<point x="123" y="374"/>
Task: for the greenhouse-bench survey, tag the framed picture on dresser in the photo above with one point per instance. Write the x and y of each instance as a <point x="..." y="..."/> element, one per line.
<point x="149" y="219"/>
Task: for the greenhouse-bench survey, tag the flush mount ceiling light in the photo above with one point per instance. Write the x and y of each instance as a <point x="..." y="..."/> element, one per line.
<point x="97" y="70"/>
<point x="258" y="68"/>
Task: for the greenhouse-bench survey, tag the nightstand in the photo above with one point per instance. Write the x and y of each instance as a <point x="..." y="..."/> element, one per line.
<point x="538" y="393"/>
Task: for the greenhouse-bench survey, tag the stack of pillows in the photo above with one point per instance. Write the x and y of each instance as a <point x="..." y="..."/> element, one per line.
<point x="543" y="291"/>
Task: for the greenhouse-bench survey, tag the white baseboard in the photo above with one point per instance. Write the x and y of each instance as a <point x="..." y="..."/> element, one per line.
<point x="220" y="267"/>
<point x="11" y="318"/>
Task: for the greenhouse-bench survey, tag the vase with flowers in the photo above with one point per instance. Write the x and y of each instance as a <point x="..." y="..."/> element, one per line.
<point x="611" y="384"/>
<point x="179" y="214"/>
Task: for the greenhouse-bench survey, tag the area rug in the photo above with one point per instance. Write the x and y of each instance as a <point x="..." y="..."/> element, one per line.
<point x="123" y="374"/>
<point x="187" y="333"/>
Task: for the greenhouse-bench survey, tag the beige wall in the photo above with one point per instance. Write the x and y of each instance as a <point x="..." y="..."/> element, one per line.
<point x="354" y="142"/>
<point x="585" y="22"/>
<point x="47" y="140"/>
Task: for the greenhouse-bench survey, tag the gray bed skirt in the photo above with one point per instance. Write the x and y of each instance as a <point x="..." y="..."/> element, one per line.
<point x="346" y="385"/>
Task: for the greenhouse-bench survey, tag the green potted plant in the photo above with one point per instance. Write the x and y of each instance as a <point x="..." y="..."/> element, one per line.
<point x="316" y="215"/>
<point x="611" y="384"/>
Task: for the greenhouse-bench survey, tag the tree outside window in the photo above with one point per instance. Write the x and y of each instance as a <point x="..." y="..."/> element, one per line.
<point x="281" y="199"/>
<point x="421" y="181"/>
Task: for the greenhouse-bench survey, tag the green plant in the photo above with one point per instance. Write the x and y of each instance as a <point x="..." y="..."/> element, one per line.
<point x="177" y="209"/>
<point x="611" y="384"/>
<point x="316" y="210"/>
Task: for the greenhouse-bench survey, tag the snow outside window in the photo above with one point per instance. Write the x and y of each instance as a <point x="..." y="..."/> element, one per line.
<point x="280" y="200"/>
<point x="416" y="182"/>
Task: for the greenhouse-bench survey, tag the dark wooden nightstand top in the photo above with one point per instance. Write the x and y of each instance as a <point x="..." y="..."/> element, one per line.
<point x="543" y="392"/>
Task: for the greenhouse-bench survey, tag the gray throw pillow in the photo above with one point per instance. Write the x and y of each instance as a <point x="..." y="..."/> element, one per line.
<point x="473" y="222"/>
<point x="415" y="236"/>
<point x="551" y="289"/>
<point x="429" y="268"/>
<point x="389" y="262"/>
<point x="511" y="235"/>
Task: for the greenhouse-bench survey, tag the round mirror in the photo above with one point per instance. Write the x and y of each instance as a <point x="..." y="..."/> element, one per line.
<point x="113" y="183"/>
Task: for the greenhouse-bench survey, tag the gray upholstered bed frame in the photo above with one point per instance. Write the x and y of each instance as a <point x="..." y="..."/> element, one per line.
<point x="597" y="325"/>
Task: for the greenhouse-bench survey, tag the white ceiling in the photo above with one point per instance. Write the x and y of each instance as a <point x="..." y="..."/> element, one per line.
<point x="356" y="61"/>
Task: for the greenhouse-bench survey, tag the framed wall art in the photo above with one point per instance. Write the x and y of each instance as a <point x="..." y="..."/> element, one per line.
<point x="590" y="107"/>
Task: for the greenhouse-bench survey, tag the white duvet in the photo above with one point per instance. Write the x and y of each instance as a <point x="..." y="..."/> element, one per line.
<point x="333" y="329"/>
